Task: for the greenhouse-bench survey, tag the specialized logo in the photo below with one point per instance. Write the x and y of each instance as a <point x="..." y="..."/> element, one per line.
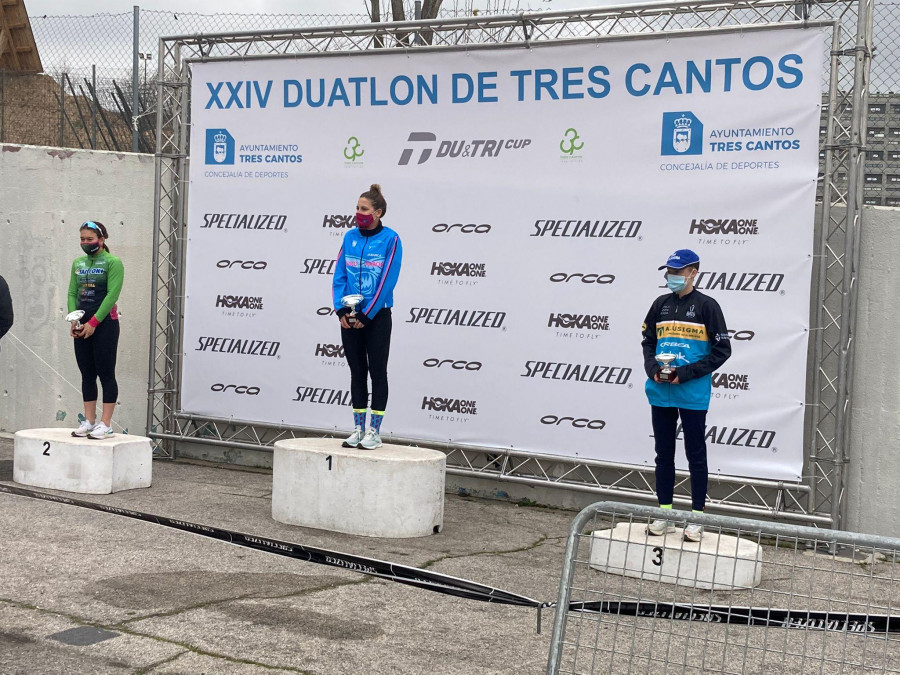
<point x="760" y="282"/>
<point x="243" y="221"/>
<point x="242" y="264"/>
<point x="470" y="318"/>
<point x="450" y="363"/>
<point x="458" y="269"/>
<point x="578" y="372"/>
<point x="468" y="228"/>
<point x="731" y="226"/>
<point x="318" y="266"/>
<point x="245" y="347"/>
<point x="330" y="351"/>
<point x="571" y="142"/>
<point x="354" y="150"/>
<point x="449" y="405"/>
<point x="424" y="142"/>
<point x="322" y="395"/>
<point x="219" y="147"/>
<point x="596" y="229"/>
<point x="576" y="422"/>
<point x="236" y="389"/>
<point x="239" y="302"/>
<point x="566" y="277"/>
<point x="739" y="437"/>
<point x="593" y="322"/>
<point x="739" y="381"/>
<point x="682" y="134"/>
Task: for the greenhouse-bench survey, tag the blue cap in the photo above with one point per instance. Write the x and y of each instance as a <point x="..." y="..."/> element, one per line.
<point x="681" y="258"/>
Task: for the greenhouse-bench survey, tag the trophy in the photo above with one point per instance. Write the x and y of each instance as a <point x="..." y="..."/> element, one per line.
<point x="76" y="317"/>
<point x="351" y="301"/>
<point x="667" y="372"/>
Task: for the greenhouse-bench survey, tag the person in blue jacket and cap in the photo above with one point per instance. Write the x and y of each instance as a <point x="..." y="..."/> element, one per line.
<point x="690" y="326"/>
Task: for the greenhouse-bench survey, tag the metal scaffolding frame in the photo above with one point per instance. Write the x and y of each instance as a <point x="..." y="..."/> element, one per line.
<point x="819" y="498"/>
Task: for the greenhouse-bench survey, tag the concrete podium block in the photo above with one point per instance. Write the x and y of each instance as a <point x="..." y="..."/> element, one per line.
<point x="53" y="458"/>
<point x="393" y="491"/>
<point x="716" y="562"/>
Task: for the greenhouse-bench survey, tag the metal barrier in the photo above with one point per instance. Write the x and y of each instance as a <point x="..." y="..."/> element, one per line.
<point x="821" y="602"/>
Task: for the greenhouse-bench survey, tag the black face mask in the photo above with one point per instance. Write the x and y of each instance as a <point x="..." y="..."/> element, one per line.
<point x="91" y="249"/>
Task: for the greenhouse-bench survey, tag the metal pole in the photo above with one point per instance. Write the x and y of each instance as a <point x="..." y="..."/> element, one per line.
<point x="851" y="256"/>
<point x="62" y="107"/>
<point x="135" y="74"/>
<point x="94" y="108"/>
<point x="815" y="471"/>
<point x="2" y="105"/>
<point x="418" y="16"/>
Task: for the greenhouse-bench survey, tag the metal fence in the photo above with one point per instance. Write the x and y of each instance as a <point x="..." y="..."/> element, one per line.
<point x="819" y="498"/>
<point x="786" y="599"/>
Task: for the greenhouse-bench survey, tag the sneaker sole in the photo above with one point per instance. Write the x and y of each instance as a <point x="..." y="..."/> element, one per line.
<point x="659" y="534"/>
<point x="77" y="435"/>
<point x="345" y="444"/>
<point x="100" y="438"/>
<point x="370" y="447"/>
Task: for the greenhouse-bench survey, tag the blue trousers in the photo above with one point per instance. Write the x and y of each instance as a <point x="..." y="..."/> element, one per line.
<point x="665" y="427"/>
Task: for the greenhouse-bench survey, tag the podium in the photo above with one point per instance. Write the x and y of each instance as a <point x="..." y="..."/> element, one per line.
<point x="54" y="459"/>
<point x="393" y="491"/>
<point x="716" y="562"/>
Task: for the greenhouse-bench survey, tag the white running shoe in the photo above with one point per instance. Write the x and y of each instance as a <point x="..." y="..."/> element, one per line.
<point x="371" y="440"/>
<point x="353" y="439"/>
<point x="659" y="527"/>
<point x="693" y="532"/>
<point x="100" y="432"/>
<point x="84" y="429"/>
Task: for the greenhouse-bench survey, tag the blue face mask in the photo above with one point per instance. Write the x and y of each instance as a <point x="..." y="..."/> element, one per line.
<point x="675" y="282"/>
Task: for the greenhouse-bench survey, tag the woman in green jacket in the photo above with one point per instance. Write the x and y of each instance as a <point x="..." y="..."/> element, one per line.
<point x="94" y="288"/>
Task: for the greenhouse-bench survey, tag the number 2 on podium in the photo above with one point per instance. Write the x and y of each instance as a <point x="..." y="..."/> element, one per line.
<point x="46" y="451"/>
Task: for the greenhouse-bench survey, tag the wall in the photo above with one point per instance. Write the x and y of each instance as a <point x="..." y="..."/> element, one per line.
<point x="872" y="483"/>
<point x="45" y="194"/>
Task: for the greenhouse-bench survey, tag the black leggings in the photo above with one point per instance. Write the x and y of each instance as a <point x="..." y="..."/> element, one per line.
<point x="367" y="351"/>
<point x="96" y="357"/>
<point x="665" y="427"/>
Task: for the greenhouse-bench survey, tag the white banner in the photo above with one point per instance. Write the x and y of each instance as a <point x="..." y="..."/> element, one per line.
<point x="536" y="192"/>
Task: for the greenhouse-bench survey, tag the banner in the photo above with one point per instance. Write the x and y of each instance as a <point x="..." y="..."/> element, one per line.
<point x="536" y="192"/>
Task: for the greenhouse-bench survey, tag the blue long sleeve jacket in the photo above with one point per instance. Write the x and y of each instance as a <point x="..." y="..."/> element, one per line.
<point x="369" y="264"/>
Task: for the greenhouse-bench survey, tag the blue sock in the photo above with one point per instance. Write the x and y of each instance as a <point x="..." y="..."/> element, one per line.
<point x="376" y="419"/>
<point x="359" y="417"/>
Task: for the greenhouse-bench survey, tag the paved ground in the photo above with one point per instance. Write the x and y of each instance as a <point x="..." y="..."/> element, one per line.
<point x="179" y="603"/>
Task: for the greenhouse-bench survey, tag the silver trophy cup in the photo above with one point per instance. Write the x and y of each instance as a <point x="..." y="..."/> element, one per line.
<point x="351" y="301"/>
<point x="75" y="317"/>
<point x="667" y="372"/>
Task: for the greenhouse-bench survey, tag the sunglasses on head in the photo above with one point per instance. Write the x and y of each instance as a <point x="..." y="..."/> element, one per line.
<point x="93" y="226"/>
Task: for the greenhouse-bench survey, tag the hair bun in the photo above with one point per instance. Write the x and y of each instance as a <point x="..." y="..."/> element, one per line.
<point x="375" y="187"/>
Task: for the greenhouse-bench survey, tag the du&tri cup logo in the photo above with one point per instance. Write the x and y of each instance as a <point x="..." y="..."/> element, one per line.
<point x="219" y="147"/>
<point x="682" y="134"/>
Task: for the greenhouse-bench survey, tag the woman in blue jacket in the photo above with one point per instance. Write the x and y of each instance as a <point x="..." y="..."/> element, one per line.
<point x="368" y="264"/>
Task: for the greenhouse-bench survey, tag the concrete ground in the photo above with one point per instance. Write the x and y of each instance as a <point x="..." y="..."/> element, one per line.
<point x="174" y="602"/>
<point x="88" y="592"/>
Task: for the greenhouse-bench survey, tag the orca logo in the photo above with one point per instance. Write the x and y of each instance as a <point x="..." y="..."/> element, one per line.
<point x="470" y="228"/>
<point x="455" y="365"/>
<point x="741" y="334"/>
<point x="577" y="422"/>
<point x="243" y="264"/>
<point x="236" y="388"/>
<point x="326" y="311"/>
<point x="565" y="277"/>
